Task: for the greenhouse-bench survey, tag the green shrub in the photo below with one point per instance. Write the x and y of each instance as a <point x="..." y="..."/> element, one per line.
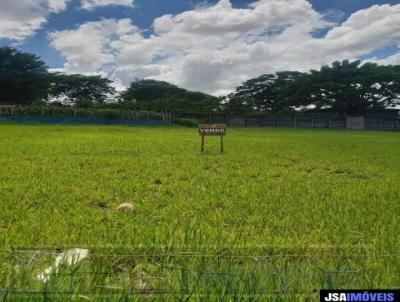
<point x="188" y="122"/>
<point x="68" y="111"/>
<point x="110" y="114"/>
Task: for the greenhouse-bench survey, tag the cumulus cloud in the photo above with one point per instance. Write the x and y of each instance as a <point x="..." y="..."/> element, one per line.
<point x="363" y="32"/>
<point x="391" y="60"/>
<point x="91" y="4"/>
<point x="89" y="48"/>
<point x="21" y="19"/>
<point x="214" y="48"/>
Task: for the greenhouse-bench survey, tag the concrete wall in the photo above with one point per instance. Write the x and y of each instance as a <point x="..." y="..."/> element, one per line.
<point x="355" y="122"/>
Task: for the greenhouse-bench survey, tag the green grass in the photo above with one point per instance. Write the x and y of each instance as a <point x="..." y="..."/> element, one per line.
<point x="319" y="208"/>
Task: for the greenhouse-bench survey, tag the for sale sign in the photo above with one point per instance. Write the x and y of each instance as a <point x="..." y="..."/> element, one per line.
<point x="212" y="129"/>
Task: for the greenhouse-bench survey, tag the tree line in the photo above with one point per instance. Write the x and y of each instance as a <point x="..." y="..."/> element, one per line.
<point x="345" y="87"/>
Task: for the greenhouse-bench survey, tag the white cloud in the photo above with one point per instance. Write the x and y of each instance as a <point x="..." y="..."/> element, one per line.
<point x="89" y="48"/>
<point x="215" y="48"/>
<point x="20" y="19"/>
<point x="391" y="60"/>
<point x="91" y="4"/>
<point x="363" y="32"/>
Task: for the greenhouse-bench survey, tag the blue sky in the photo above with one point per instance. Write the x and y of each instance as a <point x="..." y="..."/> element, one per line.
<point x="47" y="29"/>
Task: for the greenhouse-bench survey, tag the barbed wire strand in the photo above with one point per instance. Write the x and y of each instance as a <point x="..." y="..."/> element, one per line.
<point x="160" y="292"/>
<point x="171" y="293"/>
<point x="204" y="255"/>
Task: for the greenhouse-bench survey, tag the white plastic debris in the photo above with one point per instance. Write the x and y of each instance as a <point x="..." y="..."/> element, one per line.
<point x="126" y="207"/>
<point x="70" y="257"/>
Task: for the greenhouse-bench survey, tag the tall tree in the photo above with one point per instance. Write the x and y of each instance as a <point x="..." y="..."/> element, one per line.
<point x="237" y="104"/>
<point x="348" y="87"/>
<point x="267" y="90"/>
<point x="23" y="77"/>
<point x="81" y="90"/>
<point x="159" y="95"/>
<point x="151" y="90"/>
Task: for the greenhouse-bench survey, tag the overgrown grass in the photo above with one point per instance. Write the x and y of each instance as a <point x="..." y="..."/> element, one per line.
<point x="283" y="212"/>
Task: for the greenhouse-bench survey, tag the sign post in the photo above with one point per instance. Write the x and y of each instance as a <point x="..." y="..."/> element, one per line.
<point x="212" y="130"/>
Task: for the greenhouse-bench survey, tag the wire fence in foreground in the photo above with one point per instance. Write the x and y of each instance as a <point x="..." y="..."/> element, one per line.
<point x="126" y="291"/>
<point x="207" y="255"/>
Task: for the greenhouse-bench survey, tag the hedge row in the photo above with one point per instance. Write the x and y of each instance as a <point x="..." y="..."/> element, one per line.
<point x="79" y="112"/>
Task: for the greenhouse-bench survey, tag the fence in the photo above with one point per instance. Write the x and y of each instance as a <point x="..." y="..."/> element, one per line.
<point x="54" y="114"/>
<point x="176" y="275"/>
<point x="71" y="115"/>
<point x="371" y="121"/>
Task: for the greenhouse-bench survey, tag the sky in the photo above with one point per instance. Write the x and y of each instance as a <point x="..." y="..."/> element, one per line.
<point x="210" y="46"/>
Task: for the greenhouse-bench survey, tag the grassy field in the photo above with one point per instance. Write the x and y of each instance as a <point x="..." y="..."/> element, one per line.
<point x="282" y="213"/>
